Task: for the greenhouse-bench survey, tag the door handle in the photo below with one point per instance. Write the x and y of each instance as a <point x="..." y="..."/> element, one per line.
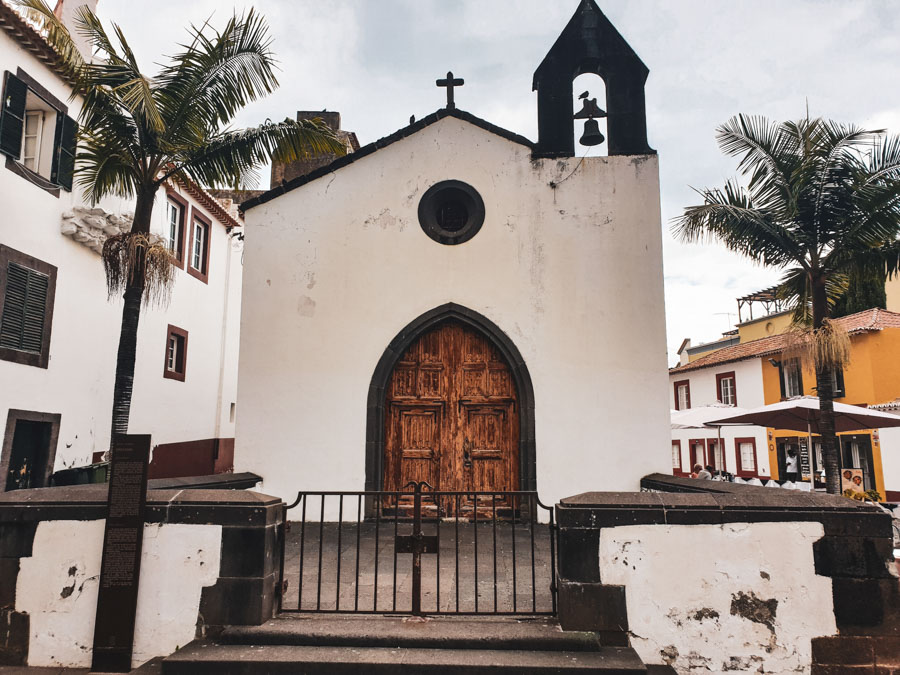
<point x="467" y="457"/>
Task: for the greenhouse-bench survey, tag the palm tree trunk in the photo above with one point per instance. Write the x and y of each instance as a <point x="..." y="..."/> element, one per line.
<point x="825" y="392"/>
<point x="131" y="314"/>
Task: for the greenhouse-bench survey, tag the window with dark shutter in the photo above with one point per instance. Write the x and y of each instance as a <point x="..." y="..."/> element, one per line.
<point x="22" y="323"/>
<point x="64" y="160"/>
<point x="12" y="116"/>
<point x="27" y="287"/>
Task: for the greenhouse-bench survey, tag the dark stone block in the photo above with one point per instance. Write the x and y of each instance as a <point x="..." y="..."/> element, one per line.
<point x="861" y="557"/>
<point x="838" y="650"/>
<point x="842" y="670"/>
<point x="592" y="607"/>
<point x="239" y="601"/>
<point x="16" y="539"/>
<point x="857" y="602"/>
<point x="887" y="651"/>
<point x="859" y="524"/>
<point x="14" y="634"/>
<point x="9" y="573"/>
<point x="612" y="638"/>
<point x="249" y="551"/>
<point x="578" y="554"/>
<point x="679" y="516"/>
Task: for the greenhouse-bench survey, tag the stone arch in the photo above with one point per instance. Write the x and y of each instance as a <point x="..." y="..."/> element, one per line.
<point x="375" y="406"/>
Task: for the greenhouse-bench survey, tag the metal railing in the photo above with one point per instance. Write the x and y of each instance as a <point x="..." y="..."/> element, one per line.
<point x="418" y="552"/>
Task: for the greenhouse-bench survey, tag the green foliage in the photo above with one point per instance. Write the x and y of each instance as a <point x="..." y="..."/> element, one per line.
<point x="819" y="199"/>
<point x="865" y="290"/>
<point x="867" y="496"/>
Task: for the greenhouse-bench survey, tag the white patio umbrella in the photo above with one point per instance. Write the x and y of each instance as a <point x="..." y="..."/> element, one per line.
<point x="802" y="414"/>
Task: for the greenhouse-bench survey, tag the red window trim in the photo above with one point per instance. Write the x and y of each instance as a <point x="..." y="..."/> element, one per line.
<point x="174" y="374"/>
<point x="188" y="254"/>
<point x="710" y="455"/>
<point x="182" y="202"/>
<point x="691" y="443"/>
<point x="719" y="378"/>
<point x="677" y="470"/>
<point x="678" y="384"/>
<point x="737" y="454"/>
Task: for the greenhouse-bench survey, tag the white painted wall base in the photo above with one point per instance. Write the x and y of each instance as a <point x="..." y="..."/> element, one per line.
<point x="57" y="587"/>
<point x="681" y="582"/>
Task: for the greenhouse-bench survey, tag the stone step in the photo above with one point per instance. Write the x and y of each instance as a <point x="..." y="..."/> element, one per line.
<point x="203" y="658"/>
<point x="500" y="633"/>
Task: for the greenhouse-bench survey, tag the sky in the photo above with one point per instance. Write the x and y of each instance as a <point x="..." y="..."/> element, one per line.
<point x="375" y="61"/>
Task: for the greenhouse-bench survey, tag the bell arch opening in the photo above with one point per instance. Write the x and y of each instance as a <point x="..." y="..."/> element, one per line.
<point x="376" y="413"/>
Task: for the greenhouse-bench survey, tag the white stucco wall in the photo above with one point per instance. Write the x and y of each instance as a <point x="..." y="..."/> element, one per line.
<point x="687" y="587"/>
<point x="748" y="379"/>
<point x="890" y="457"/>
<point x="57" y="586"/>
<point x="573" y="275"/>
<point x="78" y="383"/>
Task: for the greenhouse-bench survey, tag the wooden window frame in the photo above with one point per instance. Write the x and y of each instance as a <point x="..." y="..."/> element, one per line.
<point x="691" y="442"/>
<point x="202" y="275"/>
<point x="782" y="368"/>
<point x="17" y="166"/>
<point x="677" y="470"/>
<point x="724" y="376"/>
<point x="175" y="374"/>
<point x="711" y="456"/>
<point x="739" y="465"/>
<point x="172" y="196"/>
<point x="42" y="359"/>
<point x="677" y="384"/>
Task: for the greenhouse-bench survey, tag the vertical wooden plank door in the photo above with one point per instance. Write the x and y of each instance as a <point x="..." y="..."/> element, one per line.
<point x="452" y="416"/>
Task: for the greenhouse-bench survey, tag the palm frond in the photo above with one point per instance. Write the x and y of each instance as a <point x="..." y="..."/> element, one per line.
<point x="227" y="158"/>
<point x="55" y="32"/>
<point x="821" y="349"/>
<point x="136" y="257"/>
<point x="728" y="215"/>
<point x="216" y="76"/>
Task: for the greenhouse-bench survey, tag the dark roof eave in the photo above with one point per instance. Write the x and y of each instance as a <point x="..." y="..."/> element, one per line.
<point x="408" y="130"/>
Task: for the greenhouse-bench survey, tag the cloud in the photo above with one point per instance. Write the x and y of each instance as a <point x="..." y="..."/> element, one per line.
<point x="376" y="61"/>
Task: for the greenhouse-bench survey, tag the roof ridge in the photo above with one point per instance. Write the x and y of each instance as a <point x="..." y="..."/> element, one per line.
<point x="383" y="142"/>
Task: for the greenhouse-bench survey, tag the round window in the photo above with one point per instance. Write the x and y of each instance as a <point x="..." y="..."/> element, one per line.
<point x="451" y="212"/>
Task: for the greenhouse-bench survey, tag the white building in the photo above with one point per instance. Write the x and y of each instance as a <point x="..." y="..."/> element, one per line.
<point x="741" y="450"/>
<point x="60" y="333"/>
<point x="453" y="303"/>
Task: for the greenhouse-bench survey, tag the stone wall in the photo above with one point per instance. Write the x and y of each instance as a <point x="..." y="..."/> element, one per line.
<point x="715" y="577"/>
<point x="222" y="543"/>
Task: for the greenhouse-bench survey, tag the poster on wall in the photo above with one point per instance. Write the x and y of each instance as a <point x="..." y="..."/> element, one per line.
<point x="852" y="479"/>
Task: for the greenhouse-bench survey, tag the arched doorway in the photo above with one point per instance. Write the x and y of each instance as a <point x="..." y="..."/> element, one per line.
<point x="451" y="414"/>
<point x="494" y="410"/>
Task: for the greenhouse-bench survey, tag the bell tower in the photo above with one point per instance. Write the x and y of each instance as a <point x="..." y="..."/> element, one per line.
<point x="590" y="44"/>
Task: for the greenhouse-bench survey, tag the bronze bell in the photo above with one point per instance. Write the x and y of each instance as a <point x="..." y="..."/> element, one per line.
<point x="591" y="135"/>
<point x="588" y="112"/>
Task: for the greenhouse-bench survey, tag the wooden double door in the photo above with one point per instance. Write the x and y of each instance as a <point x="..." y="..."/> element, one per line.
<point x="452" y="417"/>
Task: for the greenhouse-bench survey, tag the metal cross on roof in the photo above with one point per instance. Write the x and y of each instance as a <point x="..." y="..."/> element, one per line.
<point x="449" y="82"/>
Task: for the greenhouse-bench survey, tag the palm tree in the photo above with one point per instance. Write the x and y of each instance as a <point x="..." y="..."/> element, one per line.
<point x="821" y="199"/>
<point x="137" y="132"/>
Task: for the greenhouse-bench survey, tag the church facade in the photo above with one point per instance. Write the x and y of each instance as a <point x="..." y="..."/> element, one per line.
<point x="458" y="305"/>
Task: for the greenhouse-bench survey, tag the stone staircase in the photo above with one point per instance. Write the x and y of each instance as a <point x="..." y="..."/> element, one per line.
<point x="374" y="645"/>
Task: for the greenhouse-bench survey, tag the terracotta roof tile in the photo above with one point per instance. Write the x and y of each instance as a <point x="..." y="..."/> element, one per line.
<point x="30" y="39"/>
<point x="861" y="322"/>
